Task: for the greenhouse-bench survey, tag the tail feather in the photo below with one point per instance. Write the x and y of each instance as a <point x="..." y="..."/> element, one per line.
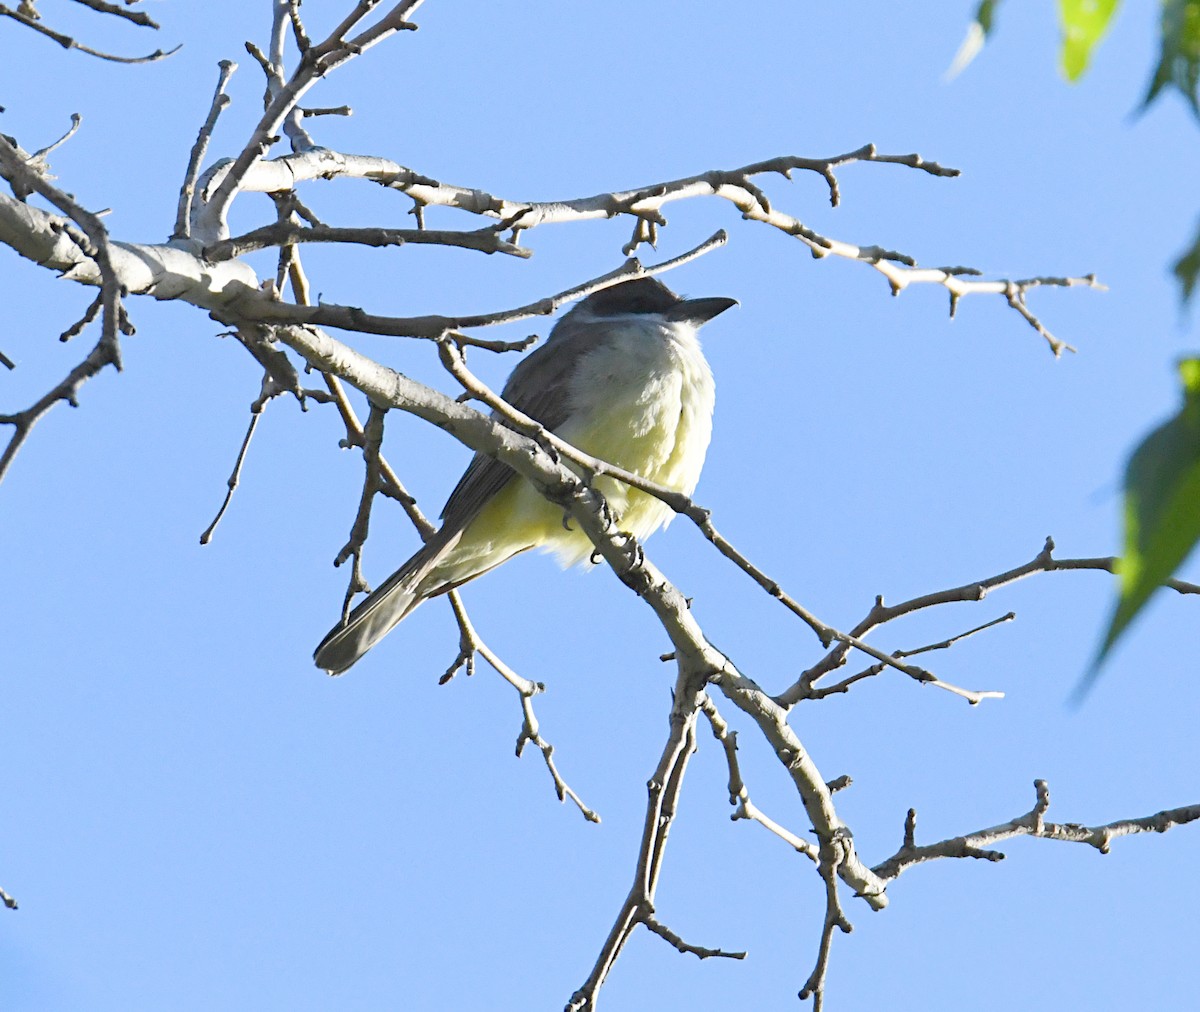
<point x="381" y="611"/>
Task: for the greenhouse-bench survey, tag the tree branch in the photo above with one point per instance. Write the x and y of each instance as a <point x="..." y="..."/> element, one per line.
<point x="977" y="590"/>
<point x="318" y="61"/>
<point x="978" y="843"/>
<point x="28" y="175"/>
<point x="663" y="789"/>
<point x="738" y="795"/>
<point x="470" y="644"/>
<point x="139" y="18"/>
<point x="485" y="240"/>
<point x="69" y="43"/>
<point x="187" y="192"/>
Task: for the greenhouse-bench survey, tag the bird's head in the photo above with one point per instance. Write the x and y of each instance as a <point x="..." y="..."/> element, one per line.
<point x="650" y="297"/>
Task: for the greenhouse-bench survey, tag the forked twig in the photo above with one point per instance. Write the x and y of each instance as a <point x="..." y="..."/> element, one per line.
<point x="472" y="643"/>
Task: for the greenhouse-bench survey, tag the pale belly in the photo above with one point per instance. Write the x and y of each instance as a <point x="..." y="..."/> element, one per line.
<point x="651" y="415"/>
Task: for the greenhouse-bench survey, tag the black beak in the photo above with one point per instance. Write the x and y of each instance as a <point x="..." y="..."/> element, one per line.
<point x="698" y="310"/>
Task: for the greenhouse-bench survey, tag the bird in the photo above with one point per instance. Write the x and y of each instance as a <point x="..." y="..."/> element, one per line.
<point x="621" y="377"/>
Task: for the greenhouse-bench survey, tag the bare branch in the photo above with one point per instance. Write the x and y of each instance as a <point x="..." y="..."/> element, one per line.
<point x="436" y="327"/>
<point x="317" y="62"/>
<point x="1108" y="564"/>
<point x="663" y="789"/>
<point x="738" y="795"/>
<point x="360" y="11"/>
<point x="286" y="14"/>
<point x="67" y="390"/>
<point x="467" y="341"/>
<point x="669" y="936"/>
<point x="1043" y="562"/>
<point x="833" y="852"/>
<point x="136" y="17"/>
<point x="485" y="240"/>
<point x="337" y="110"/>
<point x="372" y="441"/>
<point x="1014" y="292"/>
<point x="1033" y="823"/>
<point x="471" y="644"/>
<point x="39" y="156"/>
<point x="647" y="201"/>
<point x="355" y="434"/>
<point x="735" y="186"/>
<point x="270" y="389"/>
<point x="815" y="793"/>
<point x="303" y="42"/>
<point x="94" y="244"/>
<point x="644" y="204"/>
<point x="188" y="191"/>
<point x="876" y="669"/>
<point x="69" y="43"/>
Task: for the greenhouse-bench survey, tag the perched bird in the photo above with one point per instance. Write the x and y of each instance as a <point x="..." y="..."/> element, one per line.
<point x="622" y="378"/>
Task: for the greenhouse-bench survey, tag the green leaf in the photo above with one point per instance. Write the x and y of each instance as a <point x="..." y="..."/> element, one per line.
<point x="1162" y="509"/>
<point x="1084" y="23"/>
<point x="984" y="14"/>
<point x="1179" y="55"/>
<point x="1187" y="269"/>
<point x="977" y="33"/>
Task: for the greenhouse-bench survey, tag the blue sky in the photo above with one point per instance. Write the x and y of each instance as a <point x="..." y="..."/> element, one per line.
<point x="195" y="818"/>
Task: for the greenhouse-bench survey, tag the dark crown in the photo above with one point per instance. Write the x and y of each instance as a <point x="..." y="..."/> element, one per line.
<point x="641" y="295"/>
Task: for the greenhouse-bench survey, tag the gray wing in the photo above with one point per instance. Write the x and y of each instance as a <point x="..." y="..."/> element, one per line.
<point x="538" y="388"/>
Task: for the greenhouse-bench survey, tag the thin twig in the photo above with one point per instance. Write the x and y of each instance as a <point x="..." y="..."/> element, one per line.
<point x="303" y="42"/>
<point x="319" y="60"/>
<point x="979" y="843"/>
<point x="187" y="192"/>
<point x="844" y="684"/>
<point x="269" y="390"/>
<point x="485" y="240"/>
<point x="337" y="110"/>
<point x="372" y="441"/>
<point x="41" y="153"/>
<point x="530" y="732"/>
<point x="69" y="43"/>
<point x="738" y="794"/>
<point x="833" y="853"/>
<point x="67" y="390"/>
<point x="700" y="951"/>
<point x="977" y="590"/>
<point x="89" y="316"/>
<point x="139" y="18"/>
<point x="94" y="243"/>
<point x="393" y="487"/>
<point x="664" y="788"/>
<point x="436" y="327"/>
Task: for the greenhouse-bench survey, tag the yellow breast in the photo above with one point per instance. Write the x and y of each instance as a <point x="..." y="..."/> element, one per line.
<point x="644" y="403"/>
